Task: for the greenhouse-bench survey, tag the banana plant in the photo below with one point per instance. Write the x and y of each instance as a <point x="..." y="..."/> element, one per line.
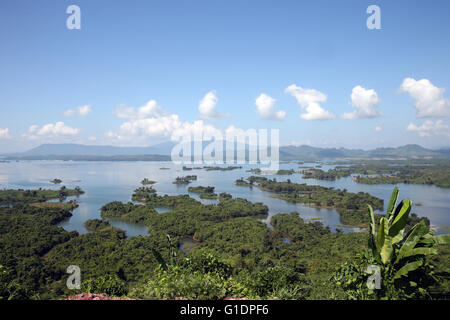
<point x="397" y="251"/>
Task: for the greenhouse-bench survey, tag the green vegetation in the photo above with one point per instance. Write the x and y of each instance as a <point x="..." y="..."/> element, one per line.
<point x="208" y="168"/>
<point x="333" y="174"/>
<point x="127" y="212"/>
<point x="285" y="172"/>
<point x="143" y="193"/>
<point x="243" y="183"/>
<point x="280" y="172"/>
<point x="235" y="254"/>
<point x="185" y="180"/>
<point x="436" y="172"/>
<point x="97" y="225"/>
<point x="146" y="181"/>
<point x="32" y="196"/>
<point x="400" y="255"/>
<point x="204" y="192"/>
<point x="351" y="206"/>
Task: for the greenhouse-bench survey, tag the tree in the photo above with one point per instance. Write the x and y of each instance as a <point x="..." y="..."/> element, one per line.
<point x="401" y="257"/>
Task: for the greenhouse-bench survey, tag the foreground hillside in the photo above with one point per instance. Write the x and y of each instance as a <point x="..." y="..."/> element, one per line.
<point x="227" y="252"/>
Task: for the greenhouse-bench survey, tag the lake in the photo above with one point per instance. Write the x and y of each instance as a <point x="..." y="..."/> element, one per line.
<point x="104" y="182"/>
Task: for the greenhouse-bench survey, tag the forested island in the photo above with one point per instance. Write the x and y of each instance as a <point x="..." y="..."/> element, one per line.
<point x="146" y="181"/>
<point x="429" y="172"/>
<point x="352" y="207"/>
<point x="185" y="180"/>
<point x="232" y="252"/>
<point x="8" y="197"/>
<point x="204" y="192"/>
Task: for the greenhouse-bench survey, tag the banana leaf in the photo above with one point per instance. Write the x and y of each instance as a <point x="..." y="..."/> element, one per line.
<point x="387" y="250"/>
<point x="412" y="238"/>
<point x="381" y="234"/>
<point x="420" y="251"/>
<point x="400" y="219"/>
<point x="372" y="233"/>
<point x="411" y="266"/>
<point x="392" y="202"/>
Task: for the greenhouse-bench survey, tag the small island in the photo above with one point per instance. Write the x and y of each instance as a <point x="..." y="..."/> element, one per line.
<point x="146" y="181"/>
<point x="184" y="180"/>
<point x="10" y="196"/>
<point x="204" y="192"/>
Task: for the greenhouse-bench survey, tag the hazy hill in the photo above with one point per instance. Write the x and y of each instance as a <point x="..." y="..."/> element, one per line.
<point x="92" y="150"/>
<point x="163" y="151"/>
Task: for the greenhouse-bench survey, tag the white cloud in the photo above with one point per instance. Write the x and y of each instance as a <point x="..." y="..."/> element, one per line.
<point x="150" y="109"/>
<point x="429" y="128"/>
<point x="152" y="122"/>
<point x="4" y="133"/>
<point x="50" y="130"/>
<point x="141" y="127"/>
<point x="378" y="128"/>
<point x="84" y="110"/>
<point x="265" y="106"/>
<point x="429" y="100"/>
<point x="207" y="107"/>
<point x="69" y="113"/>
<point x="365" y="102"/>
<point x="81" y="111"/>
<point x="309" y="100"/>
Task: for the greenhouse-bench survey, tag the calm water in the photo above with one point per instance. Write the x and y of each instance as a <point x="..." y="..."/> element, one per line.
<point x="104" y="182"/>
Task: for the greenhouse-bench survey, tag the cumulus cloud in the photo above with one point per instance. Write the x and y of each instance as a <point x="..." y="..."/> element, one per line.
<point x="4" y="133"/>
<point x="429" y="100"/>
<point x="309" y="100"/>
<point x="265" y="106"/>
<point x="50" y="130"/>
<point x="80" y="111"/>
<point x="207" y="107"/>
<point x="430" y="128"/>
<point x="141" y="127"/>
<point x="152" y="122"/>
<point x="378" y="128"/>
<point x="365" y="102"/>
<point x="150" y="109"/>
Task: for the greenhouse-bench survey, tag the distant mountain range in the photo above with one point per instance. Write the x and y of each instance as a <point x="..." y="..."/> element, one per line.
<point x="162" y="152"/>
<point x="410" y="151"/>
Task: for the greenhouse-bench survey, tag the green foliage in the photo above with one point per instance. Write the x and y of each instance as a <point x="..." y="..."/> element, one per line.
<point x="97" y="225"/>
<point x="201" y="276"/>
<point x="235" y="254"/>
<point x="146" y="181"/>
<point x="205" y="192"/>
<point x="108" y="284"/>
<point x="280" y="282"/>
<point x="401" y="257"/>
<point x="185" y="180"/>
<point x="351" y="206"/>
<point x="21" y="196"/>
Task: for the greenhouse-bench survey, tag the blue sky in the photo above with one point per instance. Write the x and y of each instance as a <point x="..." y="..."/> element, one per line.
<point x="138" y="72"/>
